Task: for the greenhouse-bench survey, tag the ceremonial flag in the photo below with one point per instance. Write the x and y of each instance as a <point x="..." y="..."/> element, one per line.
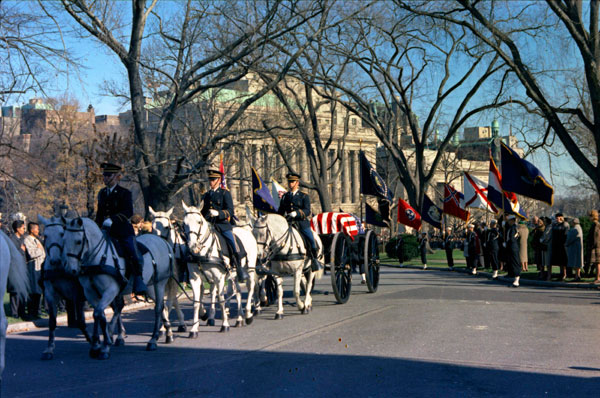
<point x="408" y="216"/>
<point x="277" y="191"/>
<point x="371" y="182"/>
<point x="222" y="170"/>
<point x="330" y="223"/>
<point x="373" y="217"/>
<point x="261" y="196"/>
<point x="431" y="213"/>
<point x="502" y="200"/>
<point x="452" y="203"/>
<point x="520" y="176"/>
<point x="476" y="194"/>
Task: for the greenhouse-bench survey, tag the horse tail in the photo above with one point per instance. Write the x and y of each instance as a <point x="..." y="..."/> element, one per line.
<point x="17" y="273"/>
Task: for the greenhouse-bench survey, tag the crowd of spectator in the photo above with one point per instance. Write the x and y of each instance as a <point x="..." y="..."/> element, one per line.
<point x="28" y="239"/>
<point x="505" y="245"/>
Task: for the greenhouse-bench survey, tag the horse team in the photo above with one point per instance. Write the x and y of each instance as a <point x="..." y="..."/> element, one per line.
<point x="82" y="263"/>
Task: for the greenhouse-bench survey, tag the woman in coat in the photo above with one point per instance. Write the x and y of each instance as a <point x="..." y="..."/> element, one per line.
<point x="423" y="249"/>
<point x="574" y="248"/>
<point x="593" y="245"/>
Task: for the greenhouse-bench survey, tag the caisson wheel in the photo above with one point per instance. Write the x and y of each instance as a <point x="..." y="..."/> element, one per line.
<point x="341" y="268"/>
<point x="371" y="261"/>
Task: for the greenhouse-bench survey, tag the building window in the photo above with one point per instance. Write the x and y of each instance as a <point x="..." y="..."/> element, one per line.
<point x="354" y="121"/>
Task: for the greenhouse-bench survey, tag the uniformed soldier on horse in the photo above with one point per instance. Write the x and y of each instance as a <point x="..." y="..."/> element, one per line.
<point x="115" y="208"/>
<point x="217" y="208"/>
<point x="295" y="207"/>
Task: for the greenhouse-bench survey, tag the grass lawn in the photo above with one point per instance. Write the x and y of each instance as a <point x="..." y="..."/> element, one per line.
<point x="438" y="259"/>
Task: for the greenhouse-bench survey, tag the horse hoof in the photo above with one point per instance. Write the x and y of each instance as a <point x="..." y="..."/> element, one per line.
<point x="249" y="320"/>
<point x="119" y="342"/>
<point x="224" y="329"/>
<point x="161" y="334"/>
<point x="193" y="335"/>
<point x="264" y="303"/>
<point x="211" y="322"/>
<point x="94" y="352"/>
<point x="169" y="340"/>
<point x="182" y="329"/>
<point x="278" y="316"/>
<point x="103" y="356"/>
<point x="46" y="356"/>
<point x="239" y="324"/>
<point x="204" y="317"/>
<point x="306" y="311"/>
<point x="151" y="347"/>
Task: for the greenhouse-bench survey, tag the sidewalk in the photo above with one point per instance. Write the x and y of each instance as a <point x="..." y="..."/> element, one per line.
<point x="61" y="320"/>
<point x="501" y="279"/>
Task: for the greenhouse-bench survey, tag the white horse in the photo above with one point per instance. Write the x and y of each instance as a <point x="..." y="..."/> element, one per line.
<point x="91" y="256"/>
<point x="162" y="226"/>
<point x="12" y="266"/>
<point x="210" y="249"/>
<point x="58" y="282"/>
<point x="283" y="247"/>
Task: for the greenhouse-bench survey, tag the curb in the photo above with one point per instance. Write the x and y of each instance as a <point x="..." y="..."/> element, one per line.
<point x="488" y="275"/>
<point x="61" y="320"/>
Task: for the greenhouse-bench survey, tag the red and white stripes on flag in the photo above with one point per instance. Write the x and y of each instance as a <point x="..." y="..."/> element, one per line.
<point x="331" y="223"/>
<point x="475" y="194"/>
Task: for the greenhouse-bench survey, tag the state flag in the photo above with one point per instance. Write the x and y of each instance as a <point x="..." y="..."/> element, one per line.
<point x="407" y="215"/>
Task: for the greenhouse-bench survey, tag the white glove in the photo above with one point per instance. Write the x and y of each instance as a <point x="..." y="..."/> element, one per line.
<point x="503" y="244"/>
<point x="293" y="214"/>
<point x="107" y="223"/>
<point x="213" y="212"/>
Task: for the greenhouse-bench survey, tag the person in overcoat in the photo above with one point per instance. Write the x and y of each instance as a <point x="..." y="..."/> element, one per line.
<point x="493" y="247"/>
<point x="523" y="247"/>
<point x="574" y="248"/>
<point x="295" y="207"/>
<point x="448" y="247"/>
<point x="559" y="236"/>
<point x="400" y="249"/>
<point x="217" y="208"/>
<point x="17" y="304"/>
<point x="115" y="208"/>
<point x="536" y="244"/>
<point x="593" y="246"/>
<point x="472" y="249"/>
<point x="423" y="249"/>
<point x="36" y="256"/>
<point x="546" y="247"/>
<point x="512" y="245"/>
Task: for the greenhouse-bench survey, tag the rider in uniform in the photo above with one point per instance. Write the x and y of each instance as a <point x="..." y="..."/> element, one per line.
<point x="295" y="206"/>
<point x="115" y="208"/>
<point x="217" y="208"/>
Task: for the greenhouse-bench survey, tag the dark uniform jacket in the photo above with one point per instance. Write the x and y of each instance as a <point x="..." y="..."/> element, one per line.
<point x="298" y="202"/>
<point x="493" y="240"/>
<point x="117" y="205"/>
<point x="219" y="199"/>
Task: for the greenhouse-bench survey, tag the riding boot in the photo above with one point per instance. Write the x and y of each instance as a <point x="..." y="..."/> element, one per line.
<point x="315" y="264"/>
<point x="242" y="275"/>
<point x="137" y="266"/>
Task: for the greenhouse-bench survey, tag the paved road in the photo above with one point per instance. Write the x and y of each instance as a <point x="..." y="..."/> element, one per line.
<point x="424" y="333"/>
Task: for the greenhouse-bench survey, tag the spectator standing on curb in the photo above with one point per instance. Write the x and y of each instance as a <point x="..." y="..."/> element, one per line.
<point x="400" y="250"/>
<point x="36" y="256"/>
<point x="536" y="244"/>
<point x="423" y="249"/>
<point x="523" y="254"/>
<point x="136" y="223"/>
<point x="17" y="305"/>
<point x="593" y="246"/>
<point x="547" y="248"/>
<point x="448" y="247"/>
<point x="512" y="246"/>
<point x="471" y="250"/>
<point x="559" y="236"/>
<point x="574" y="248"/>
<point x="493" y="245"/>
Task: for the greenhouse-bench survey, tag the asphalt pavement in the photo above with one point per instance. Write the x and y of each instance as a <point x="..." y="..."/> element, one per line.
<point x="423" y="333"/>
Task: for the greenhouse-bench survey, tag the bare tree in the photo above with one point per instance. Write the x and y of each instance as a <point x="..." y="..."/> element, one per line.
<point x="203" y="47"/>
<point x="511" y="30"/>
<point x="405" y="65"/>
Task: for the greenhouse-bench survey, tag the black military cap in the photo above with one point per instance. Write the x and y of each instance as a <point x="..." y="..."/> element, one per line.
<point x="293" y="176"/>
<point x="110" y="168"/>
<point x="558" y="215"/>
<point x="213" y="173"/>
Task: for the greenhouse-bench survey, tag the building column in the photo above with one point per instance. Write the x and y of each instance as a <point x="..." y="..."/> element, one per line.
<point x="355" y="178"/>
<point x="244" y="177"/>
<point x="304" y="170"/>
<point x="346" y="182"/>
<point x="335" y="197"/>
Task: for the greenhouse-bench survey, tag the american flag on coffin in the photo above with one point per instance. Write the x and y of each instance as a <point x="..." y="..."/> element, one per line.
<point x="331" y="223"/>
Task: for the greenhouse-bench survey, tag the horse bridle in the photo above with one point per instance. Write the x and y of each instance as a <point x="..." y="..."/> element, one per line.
<point x="84" y="241"/>
<point x="274" y="246"/>
<point x="54" y="244"/>
<point x="197" y="233"/>
<point x="169" y="228"/>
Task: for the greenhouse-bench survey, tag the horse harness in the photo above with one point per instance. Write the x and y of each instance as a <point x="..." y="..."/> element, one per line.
<point x="212" y="260"/>
<point x="275" y="246"/>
